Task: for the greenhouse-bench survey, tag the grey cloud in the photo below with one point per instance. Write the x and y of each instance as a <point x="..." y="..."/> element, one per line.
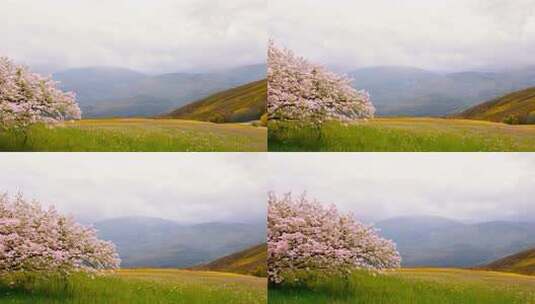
<point x="232" y="187"/>
<point x="471" y="187"/>
<point x="152" y="36"/>
<point x="180" y="186"/>
<point x="511" y="16"/>
<point x="439" y="35"/>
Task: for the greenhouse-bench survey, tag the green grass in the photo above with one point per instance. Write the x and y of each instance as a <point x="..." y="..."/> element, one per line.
<point x="142" y="286"/>
<point x="403" y="135"/>
<point x="147" y="135"/>
<point x="415" y="286"/>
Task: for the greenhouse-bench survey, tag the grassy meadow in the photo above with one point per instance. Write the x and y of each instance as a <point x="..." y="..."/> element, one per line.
<point x="403" y="135"/>
<point x="143" y="135"/>
<point x="142" y="286"/>
<point x="415" y="286"/>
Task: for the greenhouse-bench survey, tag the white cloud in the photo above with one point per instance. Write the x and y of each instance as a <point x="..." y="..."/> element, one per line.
<point x="201" y="187"/>
<point x="154" y="36"/>
<point x="479" y="186"/>
<point x="187" y="187"/>
<point x="438" y="34"/>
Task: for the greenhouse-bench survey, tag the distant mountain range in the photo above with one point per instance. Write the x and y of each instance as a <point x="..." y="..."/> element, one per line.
<point x="395" y="91"/>
<point x="233" y="247"/>
<point x="441" y="242"/>
<point x="154" y="242"/>
<point x="514" y="108"/>
<point x="118" y="92"/>
<point x="409" y="91"/>
<point x="244" y="103"/>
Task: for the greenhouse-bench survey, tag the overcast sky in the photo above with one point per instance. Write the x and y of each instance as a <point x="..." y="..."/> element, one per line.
<point x="152" y="36"/>
<point x="437" y="34"/>
<point x="465" y="186"/>
<point x="186" y="187"/>
<point x="200" y="187"/>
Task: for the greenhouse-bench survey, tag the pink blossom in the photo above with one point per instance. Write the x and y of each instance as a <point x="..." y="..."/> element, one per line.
<point x="43" y="241"/>
<point x="300" y="90"/>
<point x="303" y="235"/>
<point x="27" y="98"/>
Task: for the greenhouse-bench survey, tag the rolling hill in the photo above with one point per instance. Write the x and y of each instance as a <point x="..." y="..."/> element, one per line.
<point x="240" y="104"/>
<point x="410" y="91"/>
<point x="522" y="262"/>
<point x="118" y="92"/>
<point x="154" y="242"/>
<point x="516" y="107"/>
<point x="440" y="242"/>
<point x="252" y="261"/>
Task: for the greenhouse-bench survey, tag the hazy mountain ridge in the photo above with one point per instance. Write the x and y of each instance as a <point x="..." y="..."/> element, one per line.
<point x="154" y="242"/>
<point x="439" y="242"/>
<point x="409" y="91"/>
<point x="110" y="91"/>
<point x="92" y="84"/>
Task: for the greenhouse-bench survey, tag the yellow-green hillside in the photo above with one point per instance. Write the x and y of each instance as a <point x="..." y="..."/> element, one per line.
<point x="522" y="262"/>
<point x="516" y="107"/>
<point x="240" y="104"/>
<point x="249" y="261"/>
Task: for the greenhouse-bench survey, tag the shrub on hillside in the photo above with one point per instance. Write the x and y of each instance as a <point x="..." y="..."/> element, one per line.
<point x="39" y="241"/>
<point x="307" y="239"/>
<point x="530" y="118"/>
<point x="511" y="120"/>
<point x="217" y="118"/>
<point x="306" y="92"/>
<point x="27" y="98"/>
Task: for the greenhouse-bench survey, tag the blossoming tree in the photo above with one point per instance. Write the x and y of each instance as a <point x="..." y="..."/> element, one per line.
<point x="306" y="92"/>
<point x="305" y="236"/>
<point x="37" y="240"/>
<point x="27" y="98"/>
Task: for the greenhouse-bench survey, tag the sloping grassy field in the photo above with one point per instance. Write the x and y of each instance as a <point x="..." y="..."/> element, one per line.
<point x="143" y="286"/>
<point x="243" y="103"/>
<point x="518" y="106"/>
<point x="403" y="134"/>
<point x="150" y="135"/>
<point x="522" y="262"/>
<point x="416" y="286"/>
<point x="252" y="261"/>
